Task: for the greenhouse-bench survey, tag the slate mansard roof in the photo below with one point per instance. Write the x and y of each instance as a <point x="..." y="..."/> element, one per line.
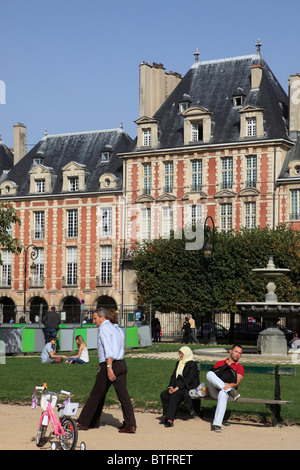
<point x="84" y="148"/>
<point x="212" y="85"/>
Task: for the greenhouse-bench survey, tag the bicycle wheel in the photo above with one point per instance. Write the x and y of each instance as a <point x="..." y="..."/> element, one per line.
<point x="69" y="440"/>
<point x="41" y="438"/>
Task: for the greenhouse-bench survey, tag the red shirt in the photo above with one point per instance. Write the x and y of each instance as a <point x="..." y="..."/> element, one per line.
<point x="235" y="365"/>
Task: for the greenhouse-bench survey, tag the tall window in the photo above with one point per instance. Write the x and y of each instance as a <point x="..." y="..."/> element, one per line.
<point x="197" y="131"/>
<point x="106" y="222"/>
<point x="147" y="137"/>
<point x="197" y="175"/>
<point x="39" y="225"/>
<point x="146" y="223"/>
<point x="6" y="268"/>
<point x="227" y="172"/>
<point x="251" y="127"/>
<point x="147" y="178"/>
<point x="106" y="264"/>
<point x="73" y="183"/>
<point x="226" y="217"/>
<point x="250" y="214"/>
<point x="72" y="266"/>
<point x="169" y="177"/>
<point x="251" y="171"/>
<point x="72" y="227"/>
<point x="167" y="221"/>
<point x="196" y="214"/>
<point x="40" y="186"/>
<point x="295" y="204"/>
<point x="38" y="274"/>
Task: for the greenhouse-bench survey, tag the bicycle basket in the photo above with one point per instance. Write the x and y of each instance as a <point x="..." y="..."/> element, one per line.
<point x="70" y="409"/>
<point x="45" y="399"/>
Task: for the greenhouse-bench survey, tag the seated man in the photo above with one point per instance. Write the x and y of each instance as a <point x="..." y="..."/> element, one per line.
<point x="223" y="381"/>
<point x="49" y="352"/>
<point x="184" y="378"/>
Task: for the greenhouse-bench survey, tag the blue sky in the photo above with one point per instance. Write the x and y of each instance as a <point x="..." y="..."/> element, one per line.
<point x="73" y="65"/>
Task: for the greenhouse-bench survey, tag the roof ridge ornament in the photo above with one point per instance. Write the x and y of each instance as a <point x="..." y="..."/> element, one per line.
<point x="196" y="54"/>
<point x="258" y="46"/>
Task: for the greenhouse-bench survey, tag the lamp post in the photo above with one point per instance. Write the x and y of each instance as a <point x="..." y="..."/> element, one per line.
<point x="208" y="251"/>
<point x="33" y="256"/>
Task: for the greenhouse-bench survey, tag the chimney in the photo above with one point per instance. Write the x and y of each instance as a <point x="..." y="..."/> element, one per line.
<point x="294" y="103"/>
<point x="155" y="87"/>
<point x="19" y="142"/>
<point x="256" y="75"/>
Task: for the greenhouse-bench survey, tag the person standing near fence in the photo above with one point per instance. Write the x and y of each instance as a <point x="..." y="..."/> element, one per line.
<point x="112" y="370"/>
<point x="193" y="328"/>
<point x="51" y="321"/>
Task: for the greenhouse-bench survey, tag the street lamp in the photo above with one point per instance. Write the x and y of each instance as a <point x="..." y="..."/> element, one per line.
<point x="208" y="251"/>
<point x="33" y="256"/>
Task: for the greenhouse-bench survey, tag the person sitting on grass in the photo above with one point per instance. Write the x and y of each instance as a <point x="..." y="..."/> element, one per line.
<point x="48" y="354"/>
<point x="184" y="378"/>
<point x="82" y="357"/>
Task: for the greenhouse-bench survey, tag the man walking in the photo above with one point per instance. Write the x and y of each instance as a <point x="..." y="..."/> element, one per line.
<point x="223" y="382"/>
<point x="112" y="370"/>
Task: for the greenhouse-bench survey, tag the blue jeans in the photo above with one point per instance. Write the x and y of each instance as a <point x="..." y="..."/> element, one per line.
<point x="76" y="360"/>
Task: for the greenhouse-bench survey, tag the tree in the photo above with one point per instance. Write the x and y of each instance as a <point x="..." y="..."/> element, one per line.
<point x="8" y="216"/>
<point x="172" y="278"/>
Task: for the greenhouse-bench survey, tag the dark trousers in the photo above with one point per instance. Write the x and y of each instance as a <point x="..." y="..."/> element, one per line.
<point x="170" y="403"/>
<point x="91" y="412"/>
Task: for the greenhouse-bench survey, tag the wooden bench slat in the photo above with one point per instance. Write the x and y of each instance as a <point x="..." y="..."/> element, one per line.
<point x="253" y="400"/>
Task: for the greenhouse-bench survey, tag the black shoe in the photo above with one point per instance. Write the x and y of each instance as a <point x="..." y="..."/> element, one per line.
<point x="169" y="424"/>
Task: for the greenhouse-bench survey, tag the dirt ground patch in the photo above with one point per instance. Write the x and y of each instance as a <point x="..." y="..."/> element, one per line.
<point x="18" y="428"/>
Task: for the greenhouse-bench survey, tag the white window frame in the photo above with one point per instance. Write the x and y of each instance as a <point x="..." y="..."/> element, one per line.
<point x="106" y="265"/>
<point x="6" y="268"/>
<point x="226" y="217"/>
<point x="295" y="204"/>
<point x="73" y="183"/>
<point x="71" y="266"/>
<point x="251" y="176"/>
<point x="250" y="214"/>
<point x="197" y="131"/>
<point x="196" y="175"/>
<point x="169" y="177"/>
<point x="251" y="127"/>
<point x="37" y="277"/>
<point x="40" y="186"/>
<point x="106" y="222"/>
<point x="147" y="137"/>
<point x="147" y="178"/>
<point x="72" y="223"/>
<point x="227" y="172"/>
<point x="146" y="223"/>
<point x="167" y="221"/>
<point x="39" y="225"/>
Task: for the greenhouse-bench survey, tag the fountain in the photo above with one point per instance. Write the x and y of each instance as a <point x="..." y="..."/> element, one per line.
<point x="271" y="341"/>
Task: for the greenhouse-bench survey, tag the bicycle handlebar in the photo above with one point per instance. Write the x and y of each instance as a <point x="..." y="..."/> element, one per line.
<point x="62" y="392"/>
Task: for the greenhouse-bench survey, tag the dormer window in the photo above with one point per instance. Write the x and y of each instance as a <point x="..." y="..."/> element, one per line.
<point x="37" y="161"/>
<point x="105" y="157"/>
<point x="197" y="131"/>
<point x="73" y="183"/>
<point x="147" y="132"/>
<point x="147" y="137"/>
<point x="252" y="124"/>
<point x="40" y="186"/>
<point x="74" y="177"/>
<point x="251" y="127"/>
<point x="238" y="101"/>
<point x="197" y="125"/>
<point x="183" y="106"/>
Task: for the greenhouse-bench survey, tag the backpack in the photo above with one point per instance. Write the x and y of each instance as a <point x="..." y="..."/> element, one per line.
<point x="226" y="373"/>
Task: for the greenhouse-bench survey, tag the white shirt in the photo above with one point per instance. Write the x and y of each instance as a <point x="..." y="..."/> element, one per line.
<point x="111" y="341"/>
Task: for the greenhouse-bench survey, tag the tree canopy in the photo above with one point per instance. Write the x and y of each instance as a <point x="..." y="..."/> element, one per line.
<point x="172" y="278"/>
<point x="8" y="217"/>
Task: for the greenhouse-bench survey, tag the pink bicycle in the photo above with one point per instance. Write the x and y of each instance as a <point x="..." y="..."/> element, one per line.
<point x="64" y="428"/>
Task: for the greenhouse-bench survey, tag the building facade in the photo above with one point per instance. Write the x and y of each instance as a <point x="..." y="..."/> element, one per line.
<point x="221" y="141"/>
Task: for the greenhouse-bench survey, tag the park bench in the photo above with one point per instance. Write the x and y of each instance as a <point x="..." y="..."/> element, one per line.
<point x="273" y="405"/>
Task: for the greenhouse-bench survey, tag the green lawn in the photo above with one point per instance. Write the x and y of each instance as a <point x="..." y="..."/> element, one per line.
<point x="146" y="379"/>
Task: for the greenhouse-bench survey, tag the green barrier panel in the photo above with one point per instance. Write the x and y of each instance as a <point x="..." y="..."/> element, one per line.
<point x="132" y="340"/>
<point x="28" y="337"/>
